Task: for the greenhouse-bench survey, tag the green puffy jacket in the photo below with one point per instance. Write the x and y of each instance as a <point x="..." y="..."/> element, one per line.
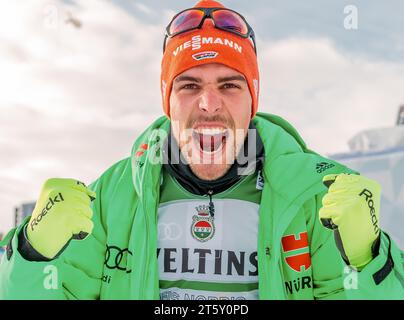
<point x="297" y="257"/>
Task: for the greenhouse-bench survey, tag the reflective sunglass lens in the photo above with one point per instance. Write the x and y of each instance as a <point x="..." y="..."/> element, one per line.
<point x="187" y="20"/>
<point x="230" y="21"/>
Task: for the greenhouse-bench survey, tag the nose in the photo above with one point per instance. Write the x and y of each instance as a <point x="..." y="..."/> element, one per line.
<point x="210" y="101"/>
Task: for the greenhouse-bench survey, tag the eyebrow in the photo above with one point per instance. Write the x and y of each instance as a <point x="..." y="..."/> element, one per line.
<point x="219" y="80"/>
<point x="187" y="78"/>
<point x="232" y="78"/>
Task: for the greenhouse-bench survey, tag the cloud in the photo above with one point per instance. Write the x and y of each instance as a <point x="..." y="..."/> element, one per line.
<point x="329" y="95"/>
<point x="143" y="8"/>
<point x="74" y="99"/>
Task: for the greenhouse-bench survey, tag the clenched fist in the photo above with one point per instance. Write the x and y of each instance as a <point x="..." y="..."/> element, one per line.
<point x="351" y="208"/>
<point x="62" y="213"/>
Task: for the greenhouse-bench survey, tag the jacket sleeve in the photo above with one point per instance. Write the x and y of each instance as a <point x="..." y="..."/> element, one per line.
<point x="75" y="274"/>
<point x="382" y="278"/>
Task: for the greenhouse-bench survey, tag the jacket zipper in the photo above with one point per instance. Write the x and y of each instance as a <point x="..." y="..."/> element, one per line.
<point x="146" y="242"/>
<point x="145" y="248"/>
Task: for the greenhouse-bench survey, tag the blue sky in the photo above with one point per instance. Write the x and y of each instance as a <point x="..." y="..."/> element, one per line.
<point x="74" y="99"/>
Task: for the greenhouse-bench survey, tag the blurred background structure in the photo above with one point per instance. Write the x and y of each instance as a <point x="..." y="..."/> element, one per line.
<point x="400" y="116"/>
<point x="79" y="80"/>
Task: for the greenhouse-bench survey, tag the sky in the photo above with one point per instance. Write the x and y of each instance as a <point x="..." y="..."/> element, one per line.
<point x="74" y="98"/>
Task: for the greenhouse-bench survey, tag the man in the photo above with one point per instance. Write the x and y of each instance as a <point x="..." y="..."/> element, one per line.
<point x="215" y="202"/>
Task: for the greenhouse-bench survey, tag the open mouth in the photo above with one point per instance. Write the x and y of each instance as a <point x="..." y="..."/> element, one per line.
<point x="210" y="140"/>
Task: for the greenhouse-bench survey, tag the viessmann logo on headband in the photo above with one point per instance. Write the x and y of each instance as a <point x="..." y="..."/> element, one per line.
<point x="198" y="41"/>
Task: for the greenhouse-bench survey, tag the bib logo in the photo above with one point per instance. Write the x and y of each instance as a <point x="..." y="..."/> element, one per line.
<point x="300" y="260"/>
<point x="203" y="227"/>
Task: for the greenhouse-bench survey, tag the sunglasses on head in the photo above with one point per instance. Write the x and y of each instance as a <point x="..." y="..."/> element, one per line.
<point x="223" y="19"/>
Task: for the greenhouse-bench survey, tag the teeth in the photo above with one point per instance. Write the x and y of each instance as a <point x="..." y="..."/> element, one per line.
<point x="210" y="131"/>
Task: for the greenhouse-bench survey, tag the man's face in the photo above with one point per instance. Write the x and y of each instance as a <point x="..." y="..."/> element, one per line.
<point x="210" y="108"/>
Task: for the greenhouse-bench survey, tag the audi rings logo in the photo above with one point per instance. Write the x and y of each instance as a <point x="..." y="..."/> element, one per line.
<point x="169" y="231"/>
<point x="117" y="258"/>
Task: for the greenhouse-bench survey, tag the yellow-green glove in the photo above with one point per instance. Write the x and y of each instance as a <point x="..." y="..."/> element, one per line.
<point x="351" y="208"/>
<point x="62" y="213"/>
